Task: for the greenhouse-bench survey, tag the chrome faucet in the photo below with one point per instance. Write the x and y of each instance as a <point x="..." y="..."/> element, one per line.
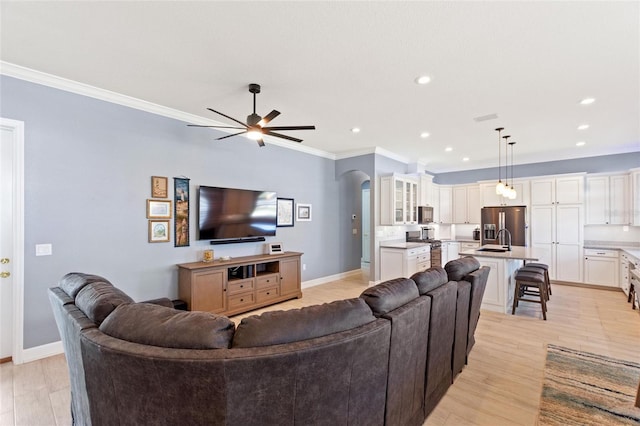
<point x="508" y="235"/>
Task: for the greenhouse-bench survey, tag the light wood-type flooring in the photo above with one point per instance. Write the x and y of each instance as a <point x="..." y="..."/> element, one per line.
<point x="500" y="386"/>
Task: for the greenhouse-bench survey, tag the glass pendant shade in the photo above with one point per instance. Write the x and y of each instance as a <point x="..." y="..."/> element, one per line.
<point x="500" y="188"/>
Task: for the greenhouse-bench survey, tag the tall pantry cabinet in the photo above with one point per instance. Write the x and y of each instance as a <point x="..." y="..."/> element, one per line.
<point x="557" y="222"/>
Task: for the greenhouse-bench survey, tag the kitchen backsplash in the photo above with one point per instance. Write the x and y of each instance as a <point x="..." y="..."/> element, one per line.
<point x="612" y="233"/>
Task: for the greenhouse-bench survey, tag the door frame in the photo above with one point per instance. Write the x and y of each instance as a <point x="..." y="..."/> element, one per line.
<point x="17" y="129"/>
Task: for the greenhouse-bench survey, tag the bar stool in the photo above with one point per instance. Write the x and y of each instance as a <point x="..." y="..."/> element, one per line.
<point x="546" y="273"/>
<point x="526" y="280"/>
<point x="540" y="267"/>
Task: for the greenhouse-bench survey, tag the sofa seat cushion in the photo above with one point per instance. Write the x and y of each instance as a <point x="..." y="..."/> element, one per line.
<point x="73" y="282"/>
<point x="430" y="279"/>
<point x="156" y="325"/>
<point x="278" y="327"/>
<point x="457" y="269"/>
<point x="390" y="295"/>
<point x="98" y="299"/>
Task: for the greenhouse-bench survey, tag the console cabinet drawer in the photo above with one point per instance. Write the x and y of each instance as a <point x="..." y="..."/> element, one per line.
<point x="266" y="294"/>
<point x="241" y="299"/>
<point x="240" y="286"/>
<point x="270" y="280"/>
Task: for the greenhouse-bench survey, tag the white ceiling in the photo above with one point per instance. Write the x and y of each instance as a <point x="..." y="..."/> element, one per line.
<point x="339" y="65"/>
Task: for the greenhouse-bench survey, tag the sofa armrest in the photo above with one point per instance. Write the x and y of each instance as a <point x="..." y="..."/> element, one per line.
<point x="162" y="301"/>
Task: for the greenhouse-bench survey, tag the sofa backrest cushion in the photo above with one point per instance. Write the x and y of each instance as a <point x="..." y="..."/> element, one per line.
<point x="156" y="325"/>
<point x="390" y="295"/>
<point x="457" y="269"/>
<point x="73" y="282"/>
<point x="98" y="299"/>
<point x="278" y="327"/>
<point x="430" y="279"/>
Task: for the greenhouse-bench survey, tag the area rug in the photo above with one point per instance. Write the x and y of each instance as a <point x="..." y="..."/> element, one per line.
<point x="581" y="388"/>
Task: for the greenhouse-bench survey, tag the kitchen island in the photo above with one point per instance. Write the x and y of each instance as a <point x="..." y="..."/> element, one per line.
<point x="498" y="295"/>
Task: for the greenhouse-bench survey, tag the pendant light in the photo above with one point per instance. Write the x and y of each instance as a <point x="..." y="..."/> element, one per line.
<point x="512" y="191"/>
<point x="507" y="189"/>
<point x="500" y="186"/>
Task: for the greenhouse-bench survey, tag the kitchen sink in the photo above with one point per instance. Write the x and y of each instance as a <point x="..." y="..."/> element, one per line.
<point x="493" y="250"/>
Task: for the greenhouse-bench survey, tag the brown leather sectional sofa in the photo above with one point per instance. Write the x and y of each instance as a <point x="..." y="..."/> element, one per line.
<point x="386" y="357"/>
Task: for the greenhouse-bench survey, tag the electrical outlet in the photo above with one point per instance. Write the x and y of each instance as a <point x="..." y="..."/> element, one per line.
<point x="44" y="249"/>
<point x="304" y="266"/>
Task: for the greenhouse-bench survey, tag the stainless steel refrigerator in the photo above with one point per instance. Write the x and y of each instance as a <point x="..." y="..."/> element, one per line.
<point x="512" y="218"/>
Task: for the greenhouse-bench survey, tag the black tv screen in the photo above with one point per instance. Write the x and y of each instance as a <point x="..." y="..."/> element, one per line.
<point x="228" y="213"/>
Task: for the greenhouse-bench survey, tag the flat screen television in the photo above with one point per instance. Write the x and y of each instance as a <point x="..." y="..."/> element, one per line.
<point x="235" y="214"/>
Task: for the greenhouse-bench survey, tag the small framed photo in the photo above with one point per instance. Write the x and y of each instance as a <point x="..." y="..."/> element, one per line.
<point x="158" y="209"/>
<point x="159" y="231"/>
<point x="303" y="212"/>
<point x="285" y="212"/>
<point x="159" y="187"/>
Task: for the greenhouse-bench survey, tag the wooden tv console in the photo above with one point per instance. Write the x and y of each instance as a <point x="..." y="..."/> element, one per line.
<point x="240" y="284"/>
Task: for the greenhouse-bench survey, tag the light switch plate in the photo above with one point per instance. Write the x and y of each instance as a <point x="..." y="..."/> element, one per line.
<point x="44" y="249"/>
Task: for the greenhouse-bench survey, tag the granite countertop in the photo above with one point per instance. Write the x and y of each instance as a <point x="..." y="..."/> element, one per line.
<point x="399" y="244"/>
<point x="516" y="253"/>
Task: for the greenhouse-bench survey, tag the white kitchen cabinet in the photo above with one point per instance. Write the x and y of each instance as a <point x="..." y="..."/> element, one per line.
<point x="489" y="198"/>
<point x="426" y="190"/>
<point x="635" y="197"/>
<point x="469" y="246"/>
<point x="435" y="197"/>
<point x="399" y="262"/>
<point x="558" y="190"/>
<point x="601" y="267"/>
<point x="453" y="248"/>
<point x="558" y="229"/>
<point x="398" y="200"/>
<point x="466" y="204"/>
<point x="446" y="200"/>
<point x="607" y="200"/>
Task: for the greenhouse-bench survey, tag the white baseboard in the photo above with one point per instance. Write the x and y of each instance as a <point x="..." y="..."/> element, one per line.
<point x="39" y="352"/>
<point x="328" y="279"/>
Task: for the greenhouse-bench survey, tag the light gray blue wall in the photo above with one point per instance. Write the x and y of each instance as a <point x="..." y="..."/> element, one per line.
<point x="601" y="164"/>
<point x="88" y="165"/>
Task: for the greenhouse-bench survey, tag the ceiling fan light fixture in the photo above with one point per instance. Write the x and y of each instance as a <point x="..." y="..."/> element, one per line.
<point x="254" y="134"/>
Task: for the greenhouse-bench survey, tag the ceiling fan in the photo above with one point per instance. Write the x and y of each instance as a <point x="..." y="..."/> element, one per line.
<point x="254" y="128"/>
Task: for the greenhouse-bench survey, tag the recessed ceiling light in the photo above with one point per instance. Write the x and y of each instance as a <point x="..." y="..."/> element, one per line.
<point x="448" y="149"/>
<point x="423" y="79"/>
<point x="465" y="159"/>
<point x="583" y="127"/>
<point x="587" y="101"/>
<point x="581" y="143"/>
<point x="355" y="130"/>
<point x="424" y="135"/>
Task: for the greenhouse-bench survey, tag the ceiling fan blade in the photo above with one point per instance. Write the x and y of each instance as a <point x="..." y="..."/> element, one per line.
<point x="279" y="135"/>
<point x="260" y="142"/>
<point x="267" y="118"/>
<point x="290" y="128"/>
<point x="214" y="127"/>
<point x="230" y="118"/>
<point x="230" y="136"/>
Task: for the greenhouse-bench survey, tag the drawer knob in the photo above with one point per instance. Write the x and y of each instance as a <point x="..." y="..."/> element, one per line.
<point x="242" y="300"/>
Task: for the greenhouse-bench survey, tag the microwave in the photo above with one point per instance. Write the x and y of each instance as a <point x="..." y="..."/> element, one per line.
<point x="425" y="214"/>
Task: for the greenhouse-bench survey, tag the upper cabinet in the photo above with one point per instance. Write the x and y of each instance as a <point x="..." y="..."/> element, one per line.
<point x="559" y="190"/>
<point x="635" y="197"/>
<point x="489" y="198"/>
<point x="466" y="204"/>
<point x="445" y="204"/>
<point x="607" y="200"/>
<point x="426" y="191"/>
<point x="398" y="200"/>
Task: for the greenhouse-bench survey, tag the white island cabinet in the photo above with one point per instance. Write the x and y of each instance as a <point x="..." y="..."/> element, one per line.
<point x="498" y="294"/>
<point x="403" y="259"/>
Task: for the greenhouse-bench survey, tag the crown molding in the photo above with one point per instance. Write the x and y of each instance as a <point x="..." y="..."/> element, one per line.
<point x="50" y="80"/>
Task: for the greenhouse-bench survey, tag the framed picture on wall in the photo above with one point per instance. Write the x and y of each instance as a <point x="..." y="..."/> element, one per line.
<point x="158" y="209"/>
<point x="159" y="231"/>
<point x="159" y="187"/>
<point x="303" y="212"/>
<point x="285" y="212"/>
<point x="181" y="211"/>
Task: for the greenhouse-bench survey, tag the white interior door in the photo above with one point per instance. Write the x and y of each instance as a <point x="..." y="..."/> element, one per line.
<point x="366" y="225"/>
<point x="6" y="238"/>
<point x="11" y="238"/>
